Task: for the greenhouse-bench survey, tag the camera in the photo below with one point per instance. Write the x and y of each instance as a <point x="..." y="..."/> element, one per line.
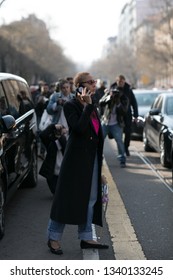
<point x="58" y="131"/>
<point x="115" y="92"/>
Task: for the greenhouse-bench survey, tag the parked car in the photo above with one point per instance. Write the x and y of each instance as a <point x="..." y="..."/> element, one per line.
<point x="158" y="128"/>
<point x="18" y="144"/>
<point x="172" y="160"/>
<point x="145" y="98"/>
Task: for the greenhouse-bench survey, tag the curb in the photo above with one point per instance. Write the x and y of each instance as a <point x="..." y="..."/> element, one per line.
<point x="125" y="243"/>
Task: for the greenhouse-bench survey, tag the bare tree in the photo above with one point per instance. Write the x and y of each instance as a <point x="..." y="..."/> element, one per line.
<point x="152" y="57"/>
<point x="31" y="45"/>
<point x="155" y="48"/>
<point x="119" y="60"/>
<point x="2" y="2"/>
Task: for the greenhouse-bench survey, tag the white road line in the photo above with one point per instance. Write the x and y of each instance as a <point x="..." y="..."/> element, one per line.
<point x="151" y="166"/>
<point x="91" y="254"/>
<point x="125" y="243"/>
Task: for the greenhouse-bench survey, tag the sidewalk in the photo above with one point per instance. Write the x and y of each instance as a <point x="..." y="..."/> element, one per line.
<point x="125" y="243"/>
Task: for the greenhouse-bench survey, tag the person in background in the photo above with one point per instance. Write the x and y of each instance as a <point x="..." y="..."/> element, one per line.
<point x="100" y="91"/>
<point x="52" y="89"/>
<point x="41" y="104"/>
<point x="123" y="86"/>
<point x="25" y="104"/>
<point x="114" y="105"/>
<point x="72" y="88"/>
<point x="57" y="84"/>
<point x="41" y="101"/>
<point x="37" y="92"/>
<point x="54" y="138"/>
<point x="78" y="195"/>
<point x="58" y="99"/>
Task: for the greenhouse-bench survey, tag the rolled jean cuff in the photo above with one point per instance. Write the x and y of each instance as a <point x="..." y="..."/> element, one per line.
<point x="55" y="230"/>
<point x="85" y="235"/>
<point x="54" y="235"/>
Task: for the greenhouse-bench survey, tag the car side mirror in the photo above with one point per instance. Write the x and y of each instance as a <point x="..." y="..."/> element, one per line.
<point x="154" y="111"/>
<point x="7" y="122"/>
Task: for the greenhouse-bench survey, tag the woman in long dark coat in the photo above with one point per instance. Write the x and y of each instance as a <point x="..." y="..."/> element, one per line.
<point x="78" y="198"/>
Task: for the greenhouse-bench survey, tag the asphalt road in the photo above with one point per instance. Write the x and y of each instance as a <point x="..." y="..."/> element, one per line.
<point x="148" y="198"/>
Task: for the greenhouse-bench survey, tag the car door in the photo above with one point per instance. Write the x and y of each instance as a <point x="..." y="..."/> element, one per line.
<point x="15" y="156"/>
<point x="27" y="122"/>
<point x="12" y="144"/>
<point x="155" y="123"/>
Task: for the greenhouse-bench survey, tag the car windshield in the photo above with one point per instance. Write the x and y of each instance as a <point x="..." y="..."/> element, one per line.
<point x="145" y="99"/>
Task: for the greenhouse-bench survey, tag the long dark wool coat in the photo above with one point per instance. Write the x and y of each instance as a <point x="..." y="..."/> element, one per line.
<point x="72" y="194"/>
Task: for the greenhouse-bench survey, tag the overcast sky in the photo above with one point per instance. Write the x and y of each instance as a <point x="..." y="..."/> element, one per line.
<point x="81" y="27"/>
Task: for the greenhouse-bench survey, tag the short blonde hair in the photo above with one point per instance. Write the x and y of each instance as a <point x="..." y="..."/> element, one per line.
<point x="80" y="78"/>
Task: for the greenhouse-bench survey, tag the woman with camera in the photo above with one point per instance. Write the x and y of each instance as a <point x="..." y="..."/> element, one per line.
<point x="78" y="198"/>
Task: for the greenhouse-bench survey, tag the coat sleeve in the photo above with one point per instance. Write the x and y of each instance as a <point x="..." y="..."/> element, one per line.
<point x="134" y="104"/>
<point x="53" y="107"/>
<point x="77" y="116"/>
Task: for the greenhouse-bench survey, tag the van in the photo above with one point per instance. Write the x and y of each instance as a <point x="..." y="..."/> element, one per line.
<point x="18" y="139"/>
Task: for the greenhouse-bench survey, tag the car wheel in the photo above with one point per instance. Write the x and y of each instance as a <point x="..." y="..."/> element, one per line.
<point x="163" y="159"/>
<point x="146" y="145"/>
<point x="31" y="179"/>
<point x="2" y="218"/>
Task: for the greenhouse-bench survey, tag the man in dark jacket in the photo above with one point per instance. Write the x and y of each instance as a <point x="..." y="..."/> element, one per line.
<point x="123" y="86"/>
<point x="114" y="105"/>
<point x="100" y="91"/>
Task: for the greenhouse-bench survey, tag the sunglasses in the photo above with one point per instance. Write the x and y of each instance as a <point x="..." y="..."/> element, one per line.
<point x="90" y="82"/>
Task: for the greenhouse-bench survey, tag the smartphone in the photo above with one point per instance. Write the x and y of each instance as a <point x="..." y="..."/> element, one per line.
<point x="79" y="89"/>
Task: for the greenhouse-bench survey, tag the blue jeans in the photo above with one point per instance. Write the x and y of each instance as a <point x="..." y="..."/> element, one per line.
<point x="117" y="133"/>
<point x="55" y="229"/>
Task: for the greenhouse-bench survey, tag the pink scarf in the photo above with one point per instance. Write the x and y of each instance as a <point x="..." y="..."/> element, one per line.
<point x="95" y="122"/>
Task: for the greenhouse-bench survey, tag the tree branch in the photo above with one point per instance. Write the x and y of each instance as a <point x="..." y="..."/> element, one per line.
<point x="2" y="2"/>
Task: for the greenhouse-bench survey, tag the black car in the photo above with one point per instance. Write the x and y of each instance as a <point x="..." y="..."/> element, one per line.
<point x="172" y="160"/>
<point x="18" y="140"/>
<point x="158" y="128"/>
<point x="144" y="98"/>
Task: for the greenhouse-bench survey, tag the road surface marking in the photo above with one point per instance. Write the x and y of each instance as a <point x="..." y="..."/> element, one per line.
<point x="125" y="243"/>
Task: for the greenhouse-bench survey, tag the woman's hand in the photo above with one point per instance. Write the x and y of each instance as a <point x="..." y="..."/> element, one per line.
<point x="104" y="179"/>
<point x="85" y="97"/>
